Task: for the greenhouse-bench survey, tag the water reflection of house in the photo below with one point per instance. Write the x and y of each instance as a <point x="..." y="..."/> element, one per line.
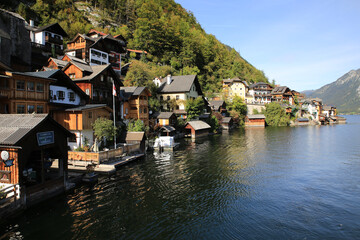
<point x="33" y="141"/>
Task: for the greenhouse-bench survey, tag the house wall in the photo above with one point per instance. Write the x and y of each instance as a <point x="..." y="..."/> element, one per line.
<point x="86" y="87"/>
<point x="40" y="38"/>
<point x="54" y="95"/>
<point x="11" y="173"/>
<point x="98" y="57"/>
<point x="72" y="69"/>
<point x="255" y="123"/>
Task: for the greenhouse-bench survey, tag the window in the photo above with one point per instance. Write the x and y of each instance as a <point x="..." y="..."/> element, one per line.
<point x="30" y="108"/>
<point x="71" y="96"/>
<point x="90" y="114"/>
<point x="20" y="85"/>
<point x="51" y="93"/>
<point x="40" y="109"/>
<point x="60" y="95"/>
<point x="102" y="78"/>
<point x="72" y="75"/>
<point x="177" y="97"/>
<point x="140" y="111"/>
<point x="168" y="97"/>
<point x="20" y="108"/>
<point x="87" y="91"/>
<point x="126" y="111"/>
<point x="30" y="86"/>
<point x="39" y="87"/>
<point x="145" y="110"/>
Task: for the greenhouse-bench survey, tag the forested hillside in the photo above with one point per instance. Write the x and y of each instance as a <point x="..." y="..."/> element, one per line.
<point x="170" y="34"/>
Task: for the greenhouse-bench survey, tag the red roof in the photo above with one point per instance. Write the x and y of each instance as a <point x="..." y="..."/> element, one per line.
<point x="137" y="51"/>
<point x="98" y="32"/>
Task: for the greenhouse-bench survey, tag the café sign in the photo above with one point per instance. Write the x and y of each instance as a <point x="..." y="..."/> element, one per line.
<point x="45" y="138"/>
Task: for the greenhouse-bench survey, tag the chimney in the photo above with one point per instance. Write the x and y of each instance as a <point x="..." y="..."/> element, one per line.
<point x="168" y="79"/>
<point x="31" y="23"/>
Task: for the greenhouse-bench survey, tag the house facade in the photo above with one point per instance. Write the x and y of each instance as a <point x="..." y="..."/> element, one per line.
<point x="261" y="92"/>
<point x="234" y="87"/>
<point x="177" y="89"/>
<point x="24" y="92"/>
<point x="282" y="94"/>
<point x="136" y="103"/>
<point x="79" y="121"/>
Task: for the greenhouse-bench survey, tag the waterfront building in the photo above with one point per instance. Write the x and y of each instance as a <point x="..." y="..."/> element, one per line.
<point x="261" y="93"/>
<point x="29" y="145"/>
<point x="257" y="120"/>
<point x="136" y="103"/>
<point x="312" y="106"/>
<point x="166" y="119"/>
<point x="282" y="94"/>
<point x="218" y="106"/>
<point x="197" y="128"/>
<point x="234" y="87"/>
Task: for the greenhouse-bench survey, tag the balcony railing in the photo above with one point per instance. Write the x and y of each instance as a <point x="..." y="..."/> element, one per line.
<point x="53" y="40"/>
<point x="46" y="48"/>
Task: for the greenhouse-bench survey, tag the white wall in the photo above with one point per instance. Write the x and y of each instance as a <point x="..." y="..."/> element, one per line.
<point x="55" y="89"/>
<point x="94" y="56"/>
<point x="40" y="38"/>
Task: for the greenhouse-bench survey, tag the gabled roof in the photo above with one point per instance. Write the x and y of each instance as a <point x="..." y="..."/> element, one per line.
<point x="180" y="84"/>
<point x="258" y="84"/>
<point x="198" y="125"/>
<point x="137" y="51"/>
<point x="135" y="136"/>
<point x="82" y="36"/>
<point x="216" y="104"/>
<point x="165" y="115"/>
<point x="88" y="107"/>
<point x="167" y="128"/>
<point x="53" y="28"/>
<point x="40" y="74"/>
<point x="128" y="92"/>
<point x="95" y="70"/>
<point x="13" y="127"/>
<point x="60" y="63"/>
<point x="79" y="63"/>
<point x="280" y="90"/>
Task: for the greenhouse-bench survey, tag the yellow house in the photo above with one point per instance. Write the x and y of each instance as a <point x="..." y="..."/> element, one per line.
<point x="178" y="88"/>
<point x="234" y="87"/>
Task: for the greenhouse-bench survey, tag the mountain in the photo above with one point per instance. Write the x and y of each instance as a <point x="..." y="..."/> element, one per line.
<point x="344" y="93"/>
<point x="170" y="34"/>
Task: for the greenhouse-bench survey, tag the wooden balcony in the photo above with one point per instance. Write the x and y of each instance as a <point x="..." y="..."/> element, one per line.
<point x="6" y="93"/>
<point x="50" y="39"/>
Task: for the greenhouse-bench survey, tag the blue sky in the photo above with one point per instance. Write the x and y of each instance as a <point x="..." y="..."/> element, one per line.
<point x="302" y="44"/>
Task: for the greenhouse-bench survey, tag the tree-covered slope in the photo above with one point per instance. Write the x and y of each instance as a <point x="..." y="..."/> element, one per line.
<point x="163" y="28"/>
<point x="344" y="93"/>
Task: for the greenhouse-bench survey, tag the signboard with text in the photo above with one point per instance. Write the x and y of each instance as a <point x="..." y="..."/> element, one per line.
<point x="45" y="138"/>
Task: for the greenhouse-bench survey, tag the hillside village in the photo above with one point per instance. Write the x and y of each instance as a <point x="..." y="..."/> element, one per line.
<point x="54" y="101"/>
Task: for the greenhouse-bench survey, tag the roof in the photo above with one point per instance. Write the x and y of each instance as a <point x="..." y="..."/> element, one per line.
<point x="258" y="83"/>
<point x="135" y="51"/>
<point x="13" y="127"/>
<point x="96" y="70"/>
<point x="226" y="119"/>
<point x="132" y="91"/>
<point x="135" y="136"/>
<point x="279" y="90"/>
<point x="165" y="115"/>
<point x="302" y="119"/>
<point x="180" y="84"/>
<point x="53" y="28"/>
<point x="216" y="104"/>
<point x="13" y="14"/>
<point x="41" y="74"/>
<point x="198" y="125"/>
<point x="256" y="116"/>
<point x="59" y="62"/>
<point x="87" y="107"/>
<point x="167" y="128"/>
<point x="83" y="66"/>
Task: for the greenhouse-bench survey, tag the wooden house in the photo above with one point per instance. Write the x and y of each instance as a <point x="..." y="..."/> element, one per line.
<point x="96" y="81"/>
<point x="79" y="121"/>
<point x="257" y="120"/>
<point x="227" y="123"/>
<point x="218" y="106"/>
<point x="54" y="63"/>
<point x="29" y="144"/>
<point x="261" y="92"/>
<point x="197" y="128"/>
<point x="136" y="103"/>
<point x="24" y="92"/>
<point x="136" y="138"/>
<point x="166" y="119"/>
<point x="282" y="94"/>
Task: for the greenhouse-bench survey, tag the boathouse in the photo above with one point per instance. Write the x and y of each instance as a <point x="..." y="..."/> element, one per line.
<point x="227" y="123"/>
<point x="197" y="128"/>
<point x="257" y="120"/>
<point x="29" y="143"/>
<point x="136" y="138"/>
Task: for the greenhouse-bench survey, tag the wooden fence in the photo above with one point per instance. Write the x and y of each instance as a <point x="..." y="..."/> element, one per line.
<point x="103" y="156"/>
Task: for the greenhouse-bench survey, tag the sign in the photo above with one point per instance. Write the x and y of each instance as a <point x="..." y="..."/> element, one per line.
<point x="9" y="163"/>
<point x="45" y="138"/>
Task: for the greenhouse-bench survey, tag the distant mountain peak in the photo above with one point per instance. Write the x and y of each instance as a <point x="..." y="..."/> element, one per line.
<point x="343" y="93"/>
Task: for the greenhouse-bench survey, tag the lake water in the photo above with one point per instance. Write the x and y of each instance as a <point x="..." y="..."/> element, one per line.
<point x="272" y="183"/>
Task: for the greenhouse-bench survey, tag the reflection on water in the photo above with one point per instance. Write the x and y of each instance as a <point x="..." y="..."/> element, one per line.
<point x="251" y="183"/>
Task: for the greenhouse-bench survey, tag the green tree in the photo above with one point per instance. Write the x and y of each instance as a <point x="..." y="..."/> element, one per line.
<point x="275" y="115"/>
<point x="104" y="128"/>
<point x="137" y="126"/>
<point x="194" y="107"/>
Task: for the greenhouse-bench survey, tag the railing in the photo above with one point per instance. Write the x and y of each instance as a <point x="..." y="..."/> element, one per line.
<point x="6" y="93"/>
<point x="53" y="40"/>
<point x="46" y="48"/>
<point x="9" y="194"/>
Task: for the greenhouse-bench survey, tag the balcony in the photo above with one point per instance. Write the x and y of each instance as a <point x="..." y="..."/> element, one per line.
<point x="46" y="48"/>
<point x="50" y="39"/>
<point x="6" y="93"/>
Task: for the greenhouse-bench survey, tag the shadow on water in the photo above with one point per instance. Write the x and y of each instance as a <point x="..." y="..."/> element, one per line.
<point x="250" y="183"/>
